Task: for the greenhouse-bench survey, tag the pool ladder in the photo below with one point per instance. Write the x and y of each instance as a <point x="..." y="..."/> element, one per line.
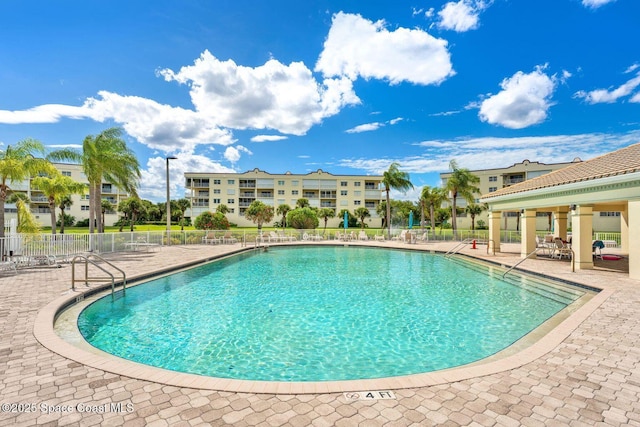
<point x="87" y="260"/>
<point x="535" y="251"/>
<point x="490" y="244"/>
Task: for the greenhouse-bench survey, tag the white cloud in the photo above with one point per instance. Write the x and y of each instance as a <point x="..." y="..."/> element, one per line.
<point x="594" y="4"/>
<point x="631" y="68"/>
<point x="356" y="47"/>
<point x="635" y="98"/>
<point x="523" y="101"/>
<point x="286" y="98"/>
<point x="232" y="153"/>
<point x="599" y="96"/>
<point x="270" y="138"/>
<point x="460" y="16"/>
<point x="48" y="113"/>
<point x="491" y="152"/>
<point x="367" y="127"/>
<point x="153" y="188"/>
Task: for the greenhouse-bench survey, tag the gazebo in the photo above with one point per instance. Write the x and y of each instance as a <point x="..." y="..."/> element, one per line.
<point x="610" y="182"/>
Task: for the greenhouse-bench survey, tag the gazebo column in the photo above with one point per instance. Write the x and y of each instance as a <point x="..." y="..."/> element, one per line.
<point x="560" y="223"/>
<point x="634" y="244"/>
<point x="494" y="229"/>
<point x="624" y="231"/>
<point x="528" y="233"/>
<point x="581" y="237"/>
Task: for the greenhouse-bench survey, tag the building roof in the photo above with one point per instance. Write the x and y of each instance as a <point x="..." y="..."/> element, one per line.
<point x="620" y="162"/>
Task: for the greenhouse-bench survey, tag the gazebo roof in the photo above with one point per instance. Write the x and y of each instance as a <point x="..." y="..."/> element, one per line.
<point x="620" y="162"/>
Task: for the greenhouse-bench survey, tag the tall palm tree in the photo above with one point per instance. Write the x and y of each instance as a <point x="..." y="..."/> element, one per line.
<point x="104" y="156"/>
<point x="64" y="203"/>
<point x="431" y="199"/>
<point x="283" y="210"/>
<point x="394" y="179"/>
<point x="20" y="200"/>
<point x="461" y="183"/>
<point x="17" y="164"/>
<point x="54" y="186"/>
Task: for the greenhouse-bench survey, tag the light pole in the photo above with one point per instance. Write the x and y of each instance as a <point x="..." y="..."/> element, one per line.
<point x="169" y="202"/>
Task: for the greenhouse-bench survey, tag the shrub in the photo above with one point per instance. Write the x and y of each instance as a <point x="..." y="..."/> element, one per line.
<point x="211" y="221"/>
<point x="303" y="219"/>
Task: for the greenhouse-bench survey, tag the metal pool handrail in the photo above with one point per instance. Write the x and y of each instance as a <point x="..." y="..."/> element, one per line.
<point x="88" y="279"/>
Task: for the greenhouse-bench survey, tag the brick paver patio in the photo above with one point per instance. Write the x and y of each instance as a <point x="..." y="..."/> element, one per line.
<point x="592" y="377"/>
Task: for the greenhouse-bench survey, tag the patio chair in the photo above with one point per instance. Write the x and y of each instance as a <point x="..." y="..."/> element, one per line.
<point x="228" y="238"/>
<point x="362" y="235"/>
<point x="561" y="249"/>
<point x="210" y="239"/>
<point x="402" y="236"/>
<point x="542" y="244"/>
<point x="8" y="266"/>
<point x="597" y="247"/>
<point x="379" y="237"/>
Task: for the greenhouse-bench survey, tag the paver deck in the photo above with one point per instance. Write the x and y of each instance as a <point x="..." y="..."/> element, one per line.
<point x="589" y="377"/>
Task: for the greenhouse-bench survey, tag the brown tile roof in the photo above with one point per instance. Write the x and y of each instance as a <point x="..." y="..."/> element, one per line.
<point x="620" y="162"/>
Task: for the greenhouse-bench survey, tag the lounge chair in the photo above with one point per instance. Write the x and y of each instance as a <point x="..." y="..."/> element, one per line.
<point x="402" y="236"/>
<point x="228" y="238"/>
<point x="424" y="237"/>
<point x="8" y="266"/>
<point x="362" y="235"/>
<point x="210" y="239"/>
<point x="379" y="237"/>
<point x="273" y="237"/>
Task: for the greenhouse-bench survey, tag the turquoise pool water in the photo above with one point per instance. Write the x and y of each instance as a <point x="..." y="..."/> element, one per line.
<point x="322" y="313"/>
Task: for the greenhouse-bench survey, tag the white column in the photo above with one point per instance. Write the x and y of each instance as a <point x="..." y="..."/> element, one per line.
<point x="528" y="233"/>
<point x="634" y="240"/>
<point x="560" y="223"/>
<point x="624" y="230"/>
<point x="494" y="229"/>
<point x="582" y="240"/>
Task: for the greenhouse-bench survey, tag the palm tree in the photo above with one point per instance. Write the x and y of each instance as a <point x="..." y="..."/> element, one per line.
<point x="65" y="202"/>
<point x="259" y="213"/>
<point x="461" y="183"/>
<point x="474" y="209"/>
<point x="183" y="205"/>
<point x="105" y="206"/>
<point x="283" y="210"/>
<point x="432" y="198"/>
<point x="104" y="156"/>
<point x="20" y="200"/>
<point x="394" y="179"/>
<point x="362" y="213"/>
<point x="325" y="214"/>
<point x="132" y="208"/>
<point x="54" y="187"/>
<point x="17" y="163"/>
<point x="302" y="203"/>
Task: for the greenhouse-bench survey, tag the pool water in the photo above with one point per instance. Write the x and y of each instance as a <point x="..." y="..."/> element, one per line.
<point x="321" y="313"/>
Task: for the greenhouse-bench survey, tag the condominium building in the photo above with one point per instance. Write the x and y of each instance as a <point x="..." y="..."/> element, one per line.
<point x="237" y="191"/>
<point x="80" y="207"/>
<point x="494" y="179"/>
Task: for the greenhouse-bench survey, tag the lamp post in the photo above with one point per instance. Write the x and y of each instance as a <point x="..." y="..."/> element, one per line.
<point x="169" y="202"/>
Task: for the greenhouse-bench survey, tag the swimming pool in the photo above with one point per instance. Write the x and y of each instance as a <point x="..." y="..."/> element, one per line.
<point x="322" y="313"/>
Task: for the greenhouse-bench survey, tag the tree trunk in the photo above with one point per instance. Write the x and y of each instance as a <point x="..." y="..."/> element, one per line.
<point x="62" y="221"/>
<point x="388" y="216"/>
<point x="432" y="212"/>
<point x="454" y="214"/>
<point x="52" y="210"/>
<point x="92" y="207"/>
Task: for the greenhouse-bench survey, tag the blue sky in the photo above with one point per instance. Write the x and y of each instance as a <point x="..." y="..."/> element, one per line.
<point x="343" y="86"/>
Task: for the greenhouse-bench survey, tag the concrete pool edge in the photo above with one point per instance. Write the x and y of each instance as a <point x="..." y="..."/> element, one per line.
<point x="45" y="334"/>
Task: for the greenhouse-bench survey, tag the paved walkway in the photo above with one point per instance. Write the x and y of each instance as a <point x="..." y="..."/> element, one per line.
<point x="592" y="377"/>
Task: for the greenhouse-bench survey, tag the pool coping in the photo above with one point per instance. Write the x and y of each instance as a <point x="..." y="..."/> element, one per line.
<point x="45" y="334"/>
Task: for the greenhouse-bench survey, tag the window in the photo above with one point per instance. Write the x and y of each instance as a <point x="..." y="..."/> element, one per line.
<point x="280" y="192"/>
<point x="231" y="181"/>
<point x="294" y="192"/>
<point x="280" y="182"/>
<point x="493" y="179"/>
<point x="512" y="214"/>
<point x="66" y="173"/>
<point x="357" y="184"/>
<point x="216" y="201"/>
<point x="343" y="192"/>
<point x="357" y="193"/>
<point x="343" y="183"/>
<point x="216" y="191"/>
<point x="216" y="182"/>
<point x="356" y="202"/>
<point x="492" y="189"/>
<point x="609" y="213"/>
<point x="84" y="207"/>
<point x="231" y="191"/>
<point x="232" y="210"/>
<point x="231" y="201"/>
<point x="294" y="183"/>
